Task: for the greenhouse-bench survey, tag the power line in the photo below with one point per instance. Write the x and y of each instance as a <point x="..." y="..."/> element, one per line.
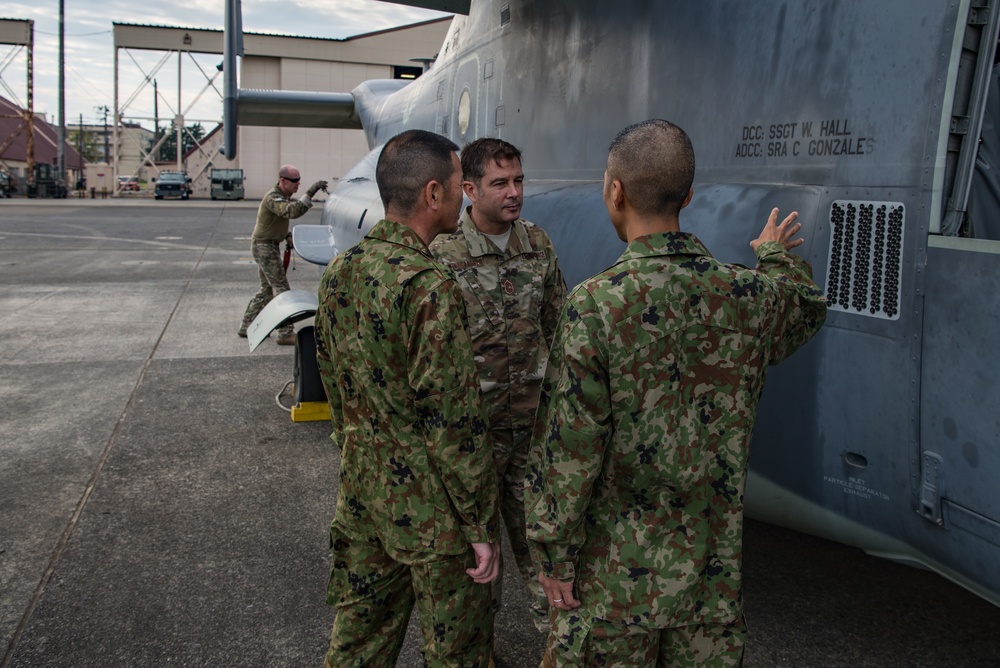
<point x="82" y="79"/>
<point x="78" y="34"/>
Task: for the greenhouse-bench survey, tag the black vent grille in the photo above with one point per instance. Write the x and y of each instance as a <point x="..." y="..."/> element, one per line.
<point x="866" y="258"/>
<point x="504" y="15"/>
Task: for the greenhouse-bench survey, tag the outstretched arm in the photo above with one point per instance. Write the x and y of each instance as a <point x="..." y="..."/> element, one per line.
<point x="802" y="303"/>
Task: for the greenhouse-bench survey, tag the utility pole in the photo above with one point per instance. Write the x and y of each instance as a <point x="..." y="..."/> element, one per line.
<point x="156" y="120"/>
<point x="114" y="165"/>
<point x="180" y="118"/>
<point x="107" y="152"/>
<point x="29" y="113"/>
<point x="61" y="152"/>
<point x="79" y="150"/>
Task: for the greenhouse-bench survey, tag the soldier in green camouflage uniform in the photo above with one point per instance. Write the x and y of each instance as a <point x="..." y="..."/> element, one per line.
<point x="513" y="292"/>
<point x="638" y="460"/>
<point x="416" y="518"/>
<point x="271" y="229"/>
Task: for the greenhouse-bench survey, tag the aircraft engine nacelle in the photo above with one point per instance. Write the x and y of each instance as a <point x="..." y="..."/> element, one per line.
<point x="353" y="207"/>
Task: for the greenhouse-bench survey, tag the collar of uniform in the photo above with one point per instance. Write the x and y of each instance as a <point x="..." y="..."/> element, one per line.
<point x="479" y="245"/>
<point x="664" y="243"/>
<point x="396" y="233"/>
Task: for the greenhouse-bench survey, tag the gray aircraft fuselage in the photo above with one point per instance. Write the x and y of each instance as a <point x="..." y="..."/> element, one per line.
<point x="865" y="117"/>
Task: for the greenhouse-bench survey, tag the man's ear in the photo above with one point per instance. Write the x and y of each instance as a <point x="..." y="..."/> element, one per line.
<point x="617" y="195"/>
<point x="433" y="194"/>
<point x="687" y="200"/>
<point x="470" y="190"/>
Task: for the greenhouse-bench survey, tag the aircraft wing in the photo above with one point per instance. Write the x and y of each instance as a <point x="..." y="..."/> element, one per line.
<point x="300" y="109"/>
<point x="303" y="109"/>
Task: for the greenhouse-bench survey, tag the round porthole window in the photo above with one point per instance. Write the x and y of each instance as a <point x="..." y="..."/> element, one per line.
<point x="464" y="112"/>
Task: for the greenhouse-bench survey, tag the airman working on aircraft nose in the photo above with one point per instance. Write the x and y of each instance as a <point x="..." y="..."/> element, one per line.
<point x="416" y="519"/>
<point x="271" y="229"/>
<point x="513" y="291"/>
<point x="636" y="473"/>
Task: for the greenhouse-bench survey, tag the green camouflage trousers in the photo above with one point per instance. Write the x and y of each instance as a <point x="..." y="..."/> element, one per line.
<point x="575" y="642"/>
<point x="273" y="281"/>
<point x="510" y="456"/>
<point x="374" y="589"/>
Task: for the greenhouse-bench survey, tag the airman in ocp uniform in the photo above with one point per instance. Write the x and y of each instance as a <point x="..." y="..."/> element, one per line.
<point x="513" y="291"/>
<point x="276" y="209"/>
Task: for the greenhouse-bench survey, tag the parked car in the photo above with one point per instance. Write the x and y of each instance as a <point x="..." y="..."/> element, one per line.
<point x="172" y="184"/>
<point x="128" y="184"/>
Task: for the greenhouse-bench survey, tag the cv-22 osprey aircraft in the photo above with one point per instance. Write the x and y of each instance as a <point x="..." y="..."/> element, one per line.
<point x="879" y="122"/>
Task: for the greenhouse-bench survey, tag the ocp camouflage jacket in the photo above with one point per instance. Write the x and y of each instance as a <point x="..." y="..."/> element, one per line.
<point x="274" y="212"/>
<point x="512" y="299"/>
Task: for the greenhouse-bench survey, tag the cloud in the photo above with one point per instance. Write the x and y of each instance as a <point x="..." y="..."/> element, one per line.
<point x="89" y="50"/>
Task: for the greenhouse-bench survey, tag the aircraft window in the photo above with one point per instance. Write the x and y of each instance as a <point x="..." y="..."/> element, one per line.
<point x="464" y="112"/>
<point x="864" y="269"/>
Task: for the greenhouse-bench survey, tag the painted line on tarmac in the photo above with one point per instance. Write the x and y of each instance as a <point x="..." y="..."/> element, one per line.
<point x="144" y="242"/>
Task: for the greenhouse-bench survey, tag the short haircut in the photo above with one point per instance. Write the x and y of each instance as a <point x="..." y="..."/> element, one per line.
<point x="476" y="153"/>
<point x="654" y="161"/>
<point x="409" y="161"/>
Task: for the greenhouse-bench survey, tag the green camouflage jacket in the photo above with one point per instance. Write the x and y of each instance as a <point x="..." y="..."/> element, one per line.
<point x="513" y="300"/>
<point x="274" y="212"/>
<point x="637" y="467"/>
<point x="416" y="466"/>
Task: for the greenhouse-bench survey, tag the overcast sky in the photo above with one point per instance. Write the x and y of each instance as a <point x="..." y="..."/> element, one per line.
<point x="90" y="52"/>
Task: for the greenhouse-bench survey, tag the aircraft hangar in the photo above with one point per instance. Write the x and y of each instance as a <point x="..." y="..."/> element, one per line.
<point x="278" y="62"/>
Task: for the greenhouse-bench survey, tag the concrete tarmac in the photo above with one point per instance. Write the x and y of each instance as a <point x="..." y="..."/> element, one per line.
<point x="158" y="507"/>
